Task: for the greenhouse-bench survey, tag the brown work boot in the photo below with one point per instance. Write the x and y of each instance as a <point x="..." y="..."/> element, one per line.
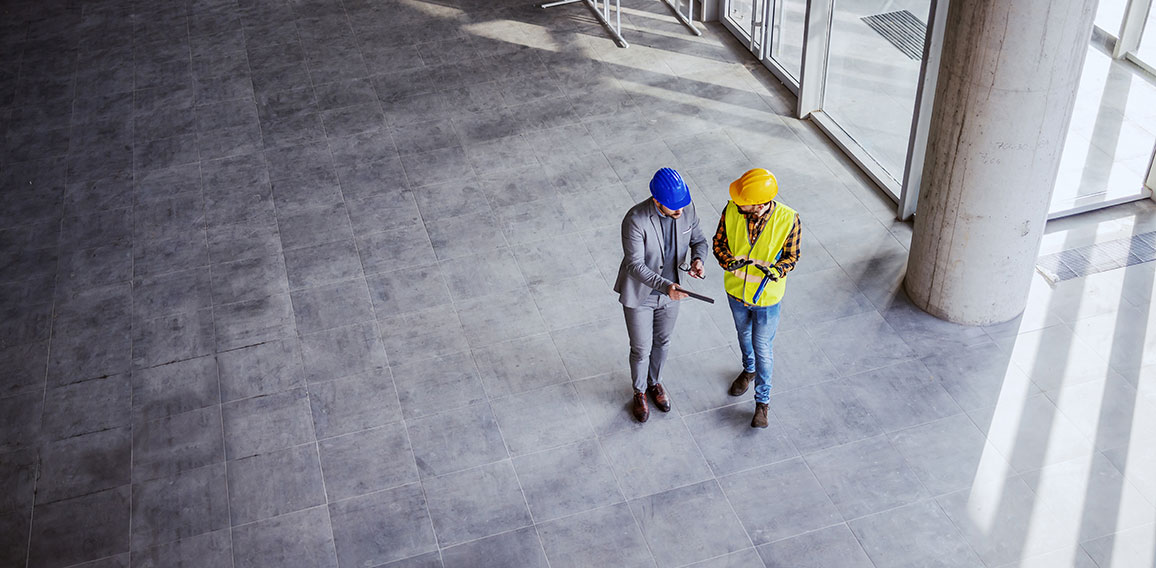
<point x="760" y="419"/>
<point x="641" y="412"/>
<point x="660" y="399"/>
<point x="742" y="383"/>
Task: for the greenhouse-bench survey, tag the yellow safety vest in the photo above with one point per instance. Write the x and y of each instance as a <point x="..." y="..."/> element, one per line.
<point x="744" y="282"/>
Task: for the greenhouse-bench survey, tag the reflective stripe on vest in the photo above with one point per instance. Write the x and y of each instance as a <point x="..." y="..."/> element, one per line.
<point x="744" y="282"/>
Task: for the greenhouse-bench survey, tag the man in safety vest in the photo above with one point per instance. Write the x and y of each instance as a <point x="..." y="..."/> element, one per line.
<point x="757" y="244"/>
<point x="656" y="234"/>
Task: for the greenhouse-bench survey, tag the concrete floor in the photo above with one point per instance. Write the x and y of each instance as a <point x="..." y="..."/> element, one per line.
<point x="328" y="284"/>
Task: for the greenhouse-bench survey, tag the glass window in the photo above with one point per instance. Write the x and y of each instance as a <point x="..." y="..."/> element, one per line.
<point x="1110" y="14"/>
<point x="788" y="21"/>
<point x="873" y="73"/>
<point x="1147" y="50"/>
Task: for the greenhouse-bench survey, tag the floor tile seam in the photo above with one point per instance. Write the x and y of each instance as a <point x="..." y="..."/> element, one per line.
<point x="43" y="403"/>
<point x="220" y="390"/>
<point x="715" y="478"/>
<point x="621" y="493"/>
<point x="521" y="488"/>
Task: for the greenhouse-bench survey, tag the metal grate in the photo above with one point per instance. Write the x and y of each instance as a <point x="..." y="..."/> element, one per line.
<point x="906" y="32"/>
<point x="1079" y="262"/>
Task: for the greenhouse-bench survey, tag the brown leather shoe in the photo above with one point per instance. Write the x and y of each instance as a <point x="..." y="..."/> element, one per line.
<point x="660" y="399"/>
<point x="742" y="383"/>
<point x="760" y="419"/>
<point x="639" y="408"/>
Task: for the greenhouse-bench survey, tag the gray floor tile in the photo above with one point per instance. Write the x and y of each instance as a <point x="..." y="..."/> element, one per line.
<point x="173" y="338"/>
<point x="655" y="457"/>
<point x="332" y="305"/>
<point x="430" y="333"/>
<point x="263" y="369"/>
<point x="185" y="505"/>
<point x="343" y="352"/>
<point x="18" y="472"/>
<point x="97" y="526"/>
<point x="275" y="483"/>
<point x="556" y="300"/>
<point x="521" y="416"/>
<point x="1032" y="433"/>
<point x="998" y="531"/>
<point x="822" y="296"/>
<point x="409" y="290"/>
<point x="551" y="260"/>
<point x="926" y="334"/>
<point x="515" y="548"/>
<point x="456" y="439"/>
<point x="91" y="406"/>
<point x="326" y="263"/>
<point x="878" y="480"/>
<point x="729" y="443"/>
<point x="394" y="249"/>
<point x="449" y="200"/>
<point x="1092" y="491"/>
<point x="799" y="361"/>
<point x="83" y="465"/>
<point x="499" y="317"/>
<point x="300" y="539"/>
<point x="1104" y="411"/>
<point x="20" y="418"/>
<point x="427" y="560"/>
<point x="367" y="461"/>
<point x="976" y="376"/>
<point x="373" y="209"/>
<point x="27" y="365"/>
<point x="915" y="534"/>
<point x="849" y="357"/>
<point x="213" y="548"/>
<point x="1126" y="547"/>
<point x="434" y="385"/>
<point x="567" y="480"/>
<point x="353" y="403"/>
<point x="514" y="367"/>
<point x="948" y="454"/>
<point x="250" y="279"/>
<point x="476" y="503"/>
<point x="902" y="395"/>
<point x="530" y="221"/>
<point x="265" y="423"/>
<point x="831" y="546"/>
<point x="312" y="225"/>
<point x="594" y="348"/>
<point x="822" y="416"/>
<point x="779" y="501"/>
<point x="676" y="537"/>
<point x="382" y="527"/>
<point x="699" y="382"/>
<point x="527" y="183"/>
<point x="175" y="388"/>
<point x="491" y="157"/>
<point x="16" y="525"/>
<point x="483" y="273"/>
<point x="176" y="443"/>
<point x="253" y="322"/>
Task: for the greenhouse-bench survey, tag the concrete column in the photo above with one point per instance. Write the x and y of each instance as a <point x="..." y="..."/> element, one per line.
<point x="1007" y="85"/>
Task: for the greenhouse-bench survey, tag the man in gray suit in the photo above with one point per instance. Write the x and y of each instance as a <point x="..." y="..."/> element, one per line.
<point x="655" y="236"/>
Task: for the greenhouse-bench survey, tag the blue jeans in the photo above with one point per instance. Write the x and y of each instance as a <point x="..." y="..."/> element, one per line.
<point x="756" y="327"/>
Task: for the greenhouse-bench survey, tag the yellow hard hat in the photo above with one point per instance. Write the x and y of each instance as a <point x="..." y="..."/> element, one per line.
<point x="754" y="187"/>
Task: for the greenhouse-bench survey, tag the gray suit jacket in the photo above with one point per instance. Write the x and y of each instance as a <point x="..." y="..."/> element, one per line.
<point x="641" y="268"/>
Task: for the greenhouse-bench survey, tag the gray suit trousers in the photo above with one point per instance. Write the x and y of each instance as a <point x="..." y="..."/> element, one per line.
<point x="650" y="327"/>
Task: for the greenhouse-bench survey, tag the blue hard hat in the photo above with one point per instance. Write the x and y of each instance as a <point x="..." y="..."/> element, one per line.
<point x="668" y="188"/>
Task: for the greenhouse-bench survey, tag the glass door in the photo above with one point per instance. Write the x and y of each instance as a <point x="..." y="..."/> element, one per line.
<point x="773" y="31"/>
